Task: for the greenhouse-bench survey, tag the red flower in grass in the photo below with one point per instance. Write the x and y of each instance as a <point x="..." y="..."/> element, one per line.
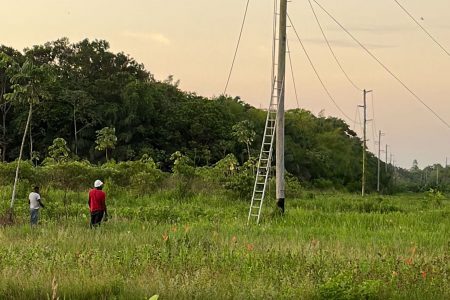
<point x="250" y="247"/>
<point x="424" y="274"/>
<point x="165" y="237"/>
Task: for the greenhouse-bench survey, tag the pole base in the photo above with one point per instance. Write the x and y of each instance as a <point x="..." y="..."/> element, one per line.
<point x="280" y="204"/>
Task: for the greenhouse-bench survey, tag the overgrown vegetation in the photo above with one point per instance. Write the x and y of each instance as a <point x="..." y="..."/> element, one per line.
<point x="326" y="247"/>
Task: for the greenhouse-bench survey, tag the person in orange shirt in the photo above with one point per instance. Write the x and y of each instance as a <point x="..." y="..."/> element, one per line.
<point x="97" y="204"/>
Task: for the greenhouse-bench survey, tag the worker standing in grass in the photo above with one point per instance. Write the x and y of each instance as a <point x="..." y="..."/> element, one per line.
<point x="34" y="199"/>
<point x="97" y="204"/>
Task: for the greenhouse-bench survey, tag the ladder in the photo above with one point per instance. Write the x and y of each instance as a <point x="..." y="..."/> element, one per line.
<point x="265" y="156"/>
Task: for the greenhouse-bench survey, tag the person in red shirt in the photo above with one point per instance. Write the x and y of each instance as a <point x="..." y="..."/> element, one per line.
<point x="97" y="204"/>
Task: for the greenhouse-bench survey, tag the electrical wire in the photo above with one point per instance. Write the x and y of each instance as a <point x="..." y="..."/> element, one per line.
<point x="357" y="116"/>
<point x="385" y="67"/>
<point x="423" y="28"/>
<point x="237" y="47"/>
<point x="274" y="39"/>
<point x="316" y="72"/>
<point x="331" y="49"/>
<point x="292" y="73"/>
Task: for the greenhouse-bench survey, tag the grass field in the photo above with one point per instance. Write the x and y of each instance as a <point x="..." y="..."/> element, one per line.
<point x="334" y="246"/>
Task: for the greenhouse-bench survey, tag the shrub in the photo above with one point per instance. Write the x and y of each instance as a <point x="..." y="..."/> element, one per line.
<point x="343" y="287"/>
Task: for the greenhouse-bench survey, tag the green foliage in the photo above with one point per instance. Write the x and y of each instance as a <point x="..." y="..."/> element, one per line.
<point x="242" y="182"/>
<point x="343" y="287"/>
<point x="96" y="88"/>
<point x="244" y="133"/>
<point x="106" y="139"/>
<point x="182" y="164"/>
<point x="30" y="83"/>
<point x="59" y="151"/>
<point x="435" y="196"/>
<point x="7" y="171"/>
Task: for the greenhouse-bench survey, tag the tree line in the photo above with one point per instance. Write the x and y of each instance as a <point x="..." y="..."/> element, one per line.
<point x="75" y="91"/>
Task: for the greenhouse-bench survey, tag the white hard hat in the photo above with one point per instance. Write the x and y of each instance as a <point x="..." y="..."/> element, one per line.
<point x="98" y="183"/>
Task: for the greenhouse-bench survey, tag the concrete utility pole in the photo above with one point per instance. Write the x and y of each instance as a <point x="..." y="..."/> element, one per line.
<point x="379" y="160"/>
<point x="363" y="179"/>
<point x="280" y="184"/>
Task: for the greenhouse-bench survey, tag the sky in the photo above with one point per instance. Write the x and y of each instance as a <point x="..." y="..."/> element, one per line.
<point x="194" y="40"/>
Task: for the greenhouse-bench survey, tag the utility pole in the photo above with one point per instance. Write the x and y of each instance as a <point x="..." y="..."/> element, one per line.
<point x="379" y="160"/>
<point x="280" y="184"/>
<point x="363" y="179"/>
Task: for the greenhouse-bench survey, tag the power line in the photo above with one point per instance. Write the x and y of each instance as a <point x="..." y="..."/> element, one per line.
<point x="317" y="73"/>
<point x="292" y="73"/>
<point x="357" y="117"/>
<point x="331" y="49"/>
<point x="423" y="28"/>
<point x="385" y="67"/>
<point x="237" y="47"/>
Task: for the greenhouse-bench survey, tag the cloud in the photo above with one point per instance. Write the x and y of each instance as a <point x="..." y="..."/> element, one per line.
<point x="144" y="36"/>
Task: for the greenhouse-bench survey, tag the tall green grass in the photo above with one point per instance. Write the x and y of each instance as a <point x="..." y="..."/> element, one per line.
<point x="199" y="247"/>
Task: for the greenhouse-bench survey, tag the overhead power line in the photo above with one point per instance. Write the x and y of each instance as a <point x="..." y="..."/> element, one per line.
<point x="385" y="67"/>
<point x="237" y="47"/>
<point x="423" y="28"/>
<point x="292" y="73"/>
<point x="331" y="49"/>
<point x="317" y="73"/>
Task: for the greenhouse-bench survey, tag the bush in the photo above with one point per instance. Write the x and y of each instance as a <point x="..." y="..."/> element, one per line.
<point x="26" y="171"/>
<point x="342" y="286"/>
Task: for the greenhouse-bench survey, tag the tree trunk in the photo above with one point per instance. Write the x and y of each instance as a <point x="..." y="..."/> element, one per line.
<point x="106" y="151"/>
<point x="248" y="150"/>
<point x="31" y="144"/>
<point x="4" y="109"/>
<point x="16" y="179"/>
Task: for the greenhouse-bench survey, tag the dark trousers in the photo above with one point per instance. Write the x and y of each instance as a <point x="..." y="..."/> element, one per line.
<point x="96" y="218"/>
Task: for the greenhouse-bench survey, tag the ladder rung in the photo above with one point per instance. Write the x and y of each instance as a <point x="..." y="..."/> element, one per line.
<point x="253" y="215"/>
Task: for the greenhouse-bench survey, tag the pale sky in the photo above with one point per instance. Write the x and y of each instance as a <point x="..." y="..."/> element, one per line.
<point x="194" y="40"/>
